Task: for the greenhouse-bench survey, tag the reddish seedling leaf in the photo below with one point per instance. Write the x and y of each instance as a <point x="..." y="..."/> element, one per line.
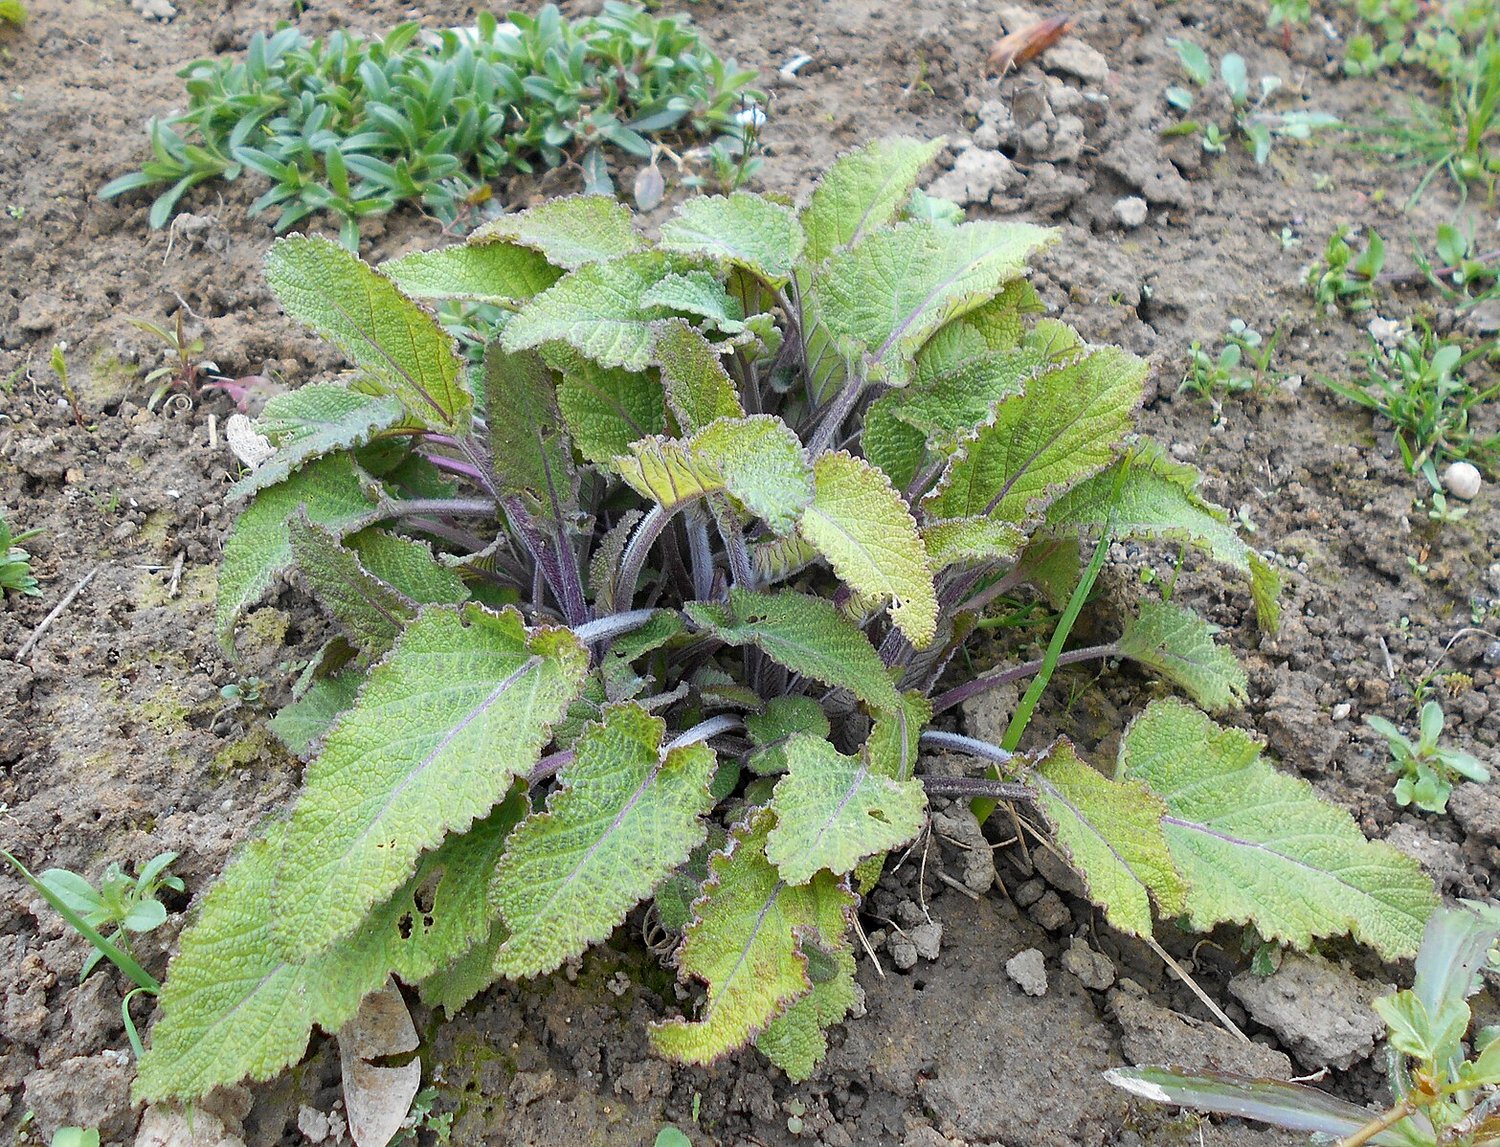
<point x="1015" y="48"/>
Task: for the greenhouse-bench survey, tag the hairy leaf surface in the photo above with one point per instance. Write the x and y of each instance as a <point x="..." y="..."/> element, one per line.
<point x="1180" y="645"/>
<point x="797" y="1040"/>
<point x="1067" y="426"/>
<point x="970" y="540"/>
<point x="862" y="192"/>
<point x="307" y="720"/>
<point x="887" y="296"/>
<point x="408" y="566"/>
<point x="759" y="460"/>
<point x="746" y="230"/>
<point x="1159" y="498"/>
<point x="598" y="311"/>
<point x="627" y="814"/>
<point x="807" y="635"/>
<point x="747" y="945"/>
<point x="528" y="445"/>
<point x="697" y="387"/>
<point x="371" y="612"/>
<point x="259" y="547"/>
<point x="502" y="274"/>
<point x="832" y="811"/>
<point x="862" y="526"/>
<point x="1111" y="832"/>
<point x="771" y="729"/>
<point x="311" y="421"/>
<point x="1259" y="847"/>
<point x="570" y="231"/>
<point x="605" y="408"/>
<point x="463" y="704"/>
<point x="398" y="344"/>
<point x="696" y="293"/>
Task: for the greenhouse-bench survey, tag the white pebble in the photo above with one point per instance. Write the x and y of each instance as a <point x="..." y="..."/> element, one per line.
<point x="1462" y="480"/>
<point x="1341" y="711"/>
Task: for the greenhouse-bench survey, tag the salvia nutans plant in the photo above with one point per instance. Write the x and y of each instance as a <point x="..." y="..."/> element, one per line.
<point x="653" y="604"/>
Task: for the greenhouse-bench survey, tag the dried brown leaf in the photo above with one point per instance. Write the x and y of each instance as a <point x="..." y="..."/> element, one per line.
<point x="1015" y="48"/>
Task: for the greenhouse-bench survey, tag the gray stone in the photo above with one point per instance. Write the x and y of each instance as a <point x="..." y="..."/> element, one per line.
<point x="1077" y="59"/>
<point x="977" y="175"/>
<point x="85" y="1091"/>
<point x="1094" y="970"/>
<point x="1028" y="970"/>
<point x="1130" y="211"/>
<point x="1051" y="913"/>
<point x="928" y="939"/>
<point x="1138" y="160"/>
<point x="1320" y="1012"/>
<point x="903" y="951"/>
<point x="1150" y="1034"/>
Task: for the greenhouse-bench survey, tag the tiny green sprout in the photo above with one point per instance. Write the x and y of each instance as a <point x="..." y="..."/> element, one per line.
<point x="57" y="359"/>
<point x="75" y="1137"/>
<point x="15" y="563"/>
<point x="12" y="12"/>
<point x="1345" y="277"/>
<point x="246" y="691"/>
<point x="1443" y="511"/>
<point x="1427" y="769"/>
<point x="122" y="903"/>
<point x="1289" y="239"/>
<point x="671" y="1137"/>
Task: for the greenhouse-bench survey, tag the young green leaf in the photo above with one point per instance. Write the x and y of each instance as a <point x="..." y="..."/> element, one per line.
<point x="805" y="634"/>
<point x="598" y="311"/>
<point x="894" y="737"/>
<point x="463" y="704"/>
<point x="748" y="944"/>
<point x="797" y="1040"/>
<point x="832" y="811"/>
<point x="884" y="298"/>
<point x="696" y="293"/>
<point x="997" y="324"/>
<point x="862" y="192"/>
<point x="1180" y="645"/>
<point x="862" y="526"/>
<point x="1159" y="498"/>
<point x="627" y="814"/>
<point x="1111" y="833"/>
<point x="606" y="409"/>
<point x="770" y="730"/>
<point x="698" y="389"/>
<point x="570" y="231"/>
<point x="745" y="230"/>
<point x="311" y="421"/>
<point x="528" y="444"/>
<point x="1067" y="426"/>
<point x="259" y="547"/>
<point x="399" y="345"/>
<point x="759" y="460"/>
<point x="1259" y="847"/>
<point x="371" y="613"/>
<point x="408" y="566"/>
<point x="306" y="721"/>
<point x="965" y="541"/>
<point x="501" y="274"/>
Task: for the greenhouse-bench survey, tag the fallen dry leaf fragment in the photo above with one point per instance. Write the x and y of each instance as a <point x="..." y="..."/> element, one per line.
<point x="377" y="1098"/>
<point x="1015" y="48"/>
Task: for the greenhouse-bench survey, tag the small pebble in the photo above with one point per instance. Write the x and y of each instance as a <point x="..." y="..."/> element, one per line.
<point x="1094" y="969"/>
<point x="903" y="951"/>
<point x="1051" y="913"/>
<point x="1130" y="211"/>
<point x="1029" y="971"/>
<point x="1492" y="654"/>
<point x="1461" y="479"/>
<point x="1341" y="711"/>
<point x="928" y="939"/>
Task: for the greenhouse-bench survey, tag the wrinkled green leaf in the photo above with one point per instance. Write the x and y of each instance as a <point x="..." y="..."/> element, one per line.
<point x="501" y="274"/>
<point x="746" y="230"/>
<point x="570" y="231"/>
<point x="606" y="409"/>
<point x="528" y="444"/>
<point x="1180" y="645"/>
<point x="697" y="387"/>
<point x="861" y="192"/>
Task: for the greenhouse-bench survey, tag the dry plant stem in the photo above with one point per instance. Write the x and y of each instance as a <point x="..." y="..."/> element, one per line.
<point x="1181" y="973"/>
<point x="976" y="787"/>
<point x="56" y="612"/>
<point x="1383" y="1122"/>
<point x="961" y="693"/>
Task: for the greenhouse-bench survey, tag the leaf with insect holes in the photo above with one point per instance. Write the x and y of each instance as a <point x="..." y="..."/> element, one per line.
<point x="1159" y="498"/>
<point x="399" y="346"/>
<point x="569" y="232"/>
<point x="832" y="811"/>
<point x="462" y="705"/>
<point x="259" y="548"/>
<point x="884" y="298"/>
<point x="807" y="635"/>
<point x="528" y="445"/>
<point x="748" y="231"/>
<point x="501" y="274"/>
<point x="863" y="192"/>
<point x="797" y="1040"/>
<point x="1066" y="426"/>
<point x="758" y="460"/>
<point x="598" y="310"/>
<point x="315" y="419"/>
<point x="862" y="526"/>
<point x="748" y="944"/>
<point x="605" y="408"/>
<point x="1180" y="645"/>
<point x="771" y="729"/>
<point x="1111" y="833"/>
<point x="236" y="1007"/>
<point x="627" y="813"/>
<point x="1261" y="848"/>
<point x="698" y="389"/>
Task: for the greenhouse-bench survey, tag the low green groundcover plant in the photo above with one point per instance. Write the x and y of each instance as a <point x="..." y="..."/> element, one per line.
<point x="353" y="126"/>
<point x="653" y="605"/>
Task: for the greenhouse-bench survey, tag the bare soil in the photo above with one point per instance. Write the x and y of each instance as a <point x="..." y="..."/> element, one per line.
<point x="115" y="743"/>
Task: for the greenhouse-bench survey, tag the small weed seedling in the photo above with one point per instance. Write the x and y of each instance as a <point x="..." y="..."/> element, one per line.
<point x="654" y="603"/>
<point x="353" y="126"/>
<point x="15" y="563"/>
<point x="1464" y="273"/>
<point x="1254" y="124"/>
<point x="1242" y="365"/>
<point x="13" y="12"/>
<point x="75" y="1137"/>
<point x="1419" y="385"/>
<point x="1445" y="1093"/>
<point x="1427" y="769"/>
<point x="1345" y="277"/>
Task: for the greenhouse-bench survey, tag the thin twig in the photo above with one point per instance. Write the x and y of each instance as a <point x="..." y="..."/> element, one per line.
<point x="56" y="613"/>
<point x="1181" y="973"/>
<point x="958" y="886"/>
<point x="175" y="581"/>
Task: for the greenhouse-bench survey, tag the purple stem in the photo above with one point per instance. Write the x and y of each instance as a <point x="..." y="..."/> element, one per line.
<point x="976" y="787"/>
<point x="454" y="466"/>
<point x="650" y="528"/>
<point x="443" y="507"/>
<point x="961" y="693"/>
